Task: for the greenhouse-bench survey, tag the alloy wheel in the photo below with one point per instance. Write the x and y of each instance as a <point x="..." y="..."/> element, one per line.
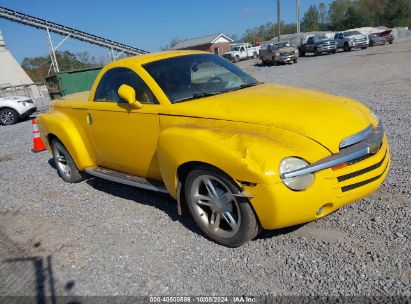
<point x="215" y="206"/>
<point x="61" y="162"/>
<point x="7" y="117"/>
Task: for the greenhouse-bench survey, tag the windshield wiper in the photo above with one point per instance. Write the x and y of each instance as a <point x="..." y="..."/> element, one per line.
<point x="243" y="86"/>
<point x="204" y="94"/>
<point x="199" y="95"/>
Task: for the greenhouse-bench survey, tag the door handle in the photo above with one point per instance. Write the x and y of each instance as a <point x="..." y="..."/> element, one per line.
<point x="89" y="119"/>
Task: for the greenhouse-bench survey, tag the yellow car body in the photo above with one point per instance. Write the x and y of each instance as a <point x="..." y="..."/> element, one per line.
<point x="244" y="133"/>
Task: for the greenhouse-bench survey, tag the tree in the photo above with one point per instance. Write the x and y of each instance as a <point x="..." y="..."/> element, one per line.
<point x="311" y="19"/>
<point x="338" y="10"/>
<point x="352" y="19"/>
<point x="396" y="13"/>
<point x="38" y="67"/>
<point x="322" y="10"/>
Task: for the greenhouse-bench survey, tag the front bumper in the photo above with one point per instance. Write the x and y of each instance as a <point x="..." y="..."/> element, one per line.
<point x="28" y="112"/>
<point x="277" y="206"/>
<point x="286" y="58"/>
<point x="354" y="44"/>
<point x="327" y="48"/>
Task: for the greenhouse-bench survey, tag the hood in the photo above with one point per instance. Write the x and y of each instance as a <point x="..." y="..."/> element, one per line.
<point x="358" y="36"/>
<point x="325" y="118"/>
<point x="384" y="33"/>
<point x="15" y="98"/>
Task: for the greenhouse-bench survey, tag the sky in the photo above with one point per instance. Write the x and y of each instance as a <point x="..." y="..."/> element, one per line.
<point x="145" y="24"/>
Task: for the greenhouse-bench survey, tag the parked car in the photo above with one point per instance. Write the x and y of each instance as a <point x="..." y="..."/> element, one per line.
<point x="238" y="154"/>
<point x="318" y="45"/>
<point x="376" y="40"/>
<point x="15" y="108"/>
<point x="242" y="51"/>
<point x="351" y="39"/>
<point x="387" y="35"/>
<point x="280" y="52"/>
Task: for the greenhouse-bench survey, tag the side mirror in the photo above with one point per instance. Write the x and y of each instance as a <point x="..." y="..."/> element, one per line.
<point x="129" y="94"/>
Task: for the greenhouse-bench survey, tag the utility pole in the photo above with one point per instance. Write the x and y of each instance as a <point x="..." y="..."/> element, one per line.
<point x="278" y="20"/>
<point x="298" y="21"/>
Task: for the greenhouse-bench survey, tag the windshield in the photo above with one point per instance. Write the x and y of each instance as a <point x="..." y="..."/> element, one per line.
<point x="281" y="45"/>
<point x="235" y="48"/>
<point x="351" y="33"/>
<point x="194" y="76"/>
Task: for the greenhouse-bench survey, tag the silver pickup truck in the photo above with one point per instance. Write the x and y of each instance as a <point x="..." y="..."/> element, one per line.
<point x="351" y="39"/>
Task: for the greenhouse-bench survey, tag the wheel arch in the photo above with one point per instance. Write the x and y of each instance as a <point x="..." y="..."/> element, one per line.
<point x="59" y="126"/>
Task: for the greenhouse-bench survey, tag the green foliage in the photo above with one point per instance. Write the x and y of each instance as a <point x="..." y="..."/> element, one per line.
<point x="345" y="14"/>
<point x="38" y="67"/>
<point x="311" y="19"/>
<point x="267" y="31"/>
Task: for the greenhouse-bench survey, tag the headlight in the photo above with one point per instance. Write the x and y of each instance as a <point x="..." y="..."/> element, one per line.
<point x="299" y="182"/>
<point x="277" y="54"/>
<point x="375" y="119"/>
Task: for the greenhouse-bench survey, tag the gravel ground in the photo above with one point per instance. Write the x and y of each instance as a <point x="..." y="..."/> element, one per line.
<point x="102" y="238"/>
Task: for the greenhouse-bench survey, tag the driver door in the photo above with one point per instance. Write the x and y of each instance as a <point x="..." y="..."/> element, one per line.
<point x="124" y="138"/>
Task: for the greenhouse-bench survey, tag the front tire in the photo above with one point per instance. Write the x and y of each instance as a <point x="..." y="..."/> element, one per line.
<point x="346" y="47"/>
<point x="222" y="217"/>
<point x="65" y="165"/>
<point x="316" y="53"/>
<point x="8" y="117"/>
<point x="237" y="59"/>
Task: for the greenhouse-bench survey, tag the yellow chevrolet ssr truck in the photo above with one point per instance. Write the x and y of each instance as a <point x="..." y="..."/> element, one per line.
<point x="239" y="155"/>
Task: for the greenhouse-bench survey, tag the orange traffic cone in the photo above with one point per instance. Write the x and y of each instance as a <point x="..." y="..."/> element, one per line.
<point x="38" y="144"/>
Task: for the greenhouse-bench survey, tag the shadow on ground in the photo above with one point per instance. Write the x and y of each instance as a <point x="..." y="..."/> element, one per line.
<point x="43" y="281"/>
<point x="164" y="203"/>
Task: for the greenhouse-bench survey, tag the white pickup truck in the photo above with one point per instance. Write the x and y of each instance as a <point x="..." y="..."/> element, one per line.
<point x="242" y="51"/>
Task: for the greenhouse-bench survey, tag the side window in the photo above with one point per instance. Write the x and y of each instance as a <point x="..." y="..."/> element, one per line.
<point x="107" y="89"/>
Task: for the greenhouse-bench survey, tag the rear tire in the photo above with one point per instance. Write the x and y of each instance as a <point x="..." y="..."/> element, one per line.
<point x="65" y="165"/>
<point x="255" y="55"/>
<point x="8" y="117"/>
<point x="223" y="218"/>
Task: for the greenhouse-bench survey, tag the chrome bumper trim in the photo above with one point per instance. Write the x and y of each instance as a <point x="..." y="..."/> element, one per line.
<point x="369" y="145"/>
<point x="360" y="136"/>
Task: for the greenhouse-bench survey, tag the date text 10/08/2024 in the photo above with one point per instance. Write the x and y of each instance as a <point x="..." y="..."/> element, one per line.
<point x="203" y="299"/>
